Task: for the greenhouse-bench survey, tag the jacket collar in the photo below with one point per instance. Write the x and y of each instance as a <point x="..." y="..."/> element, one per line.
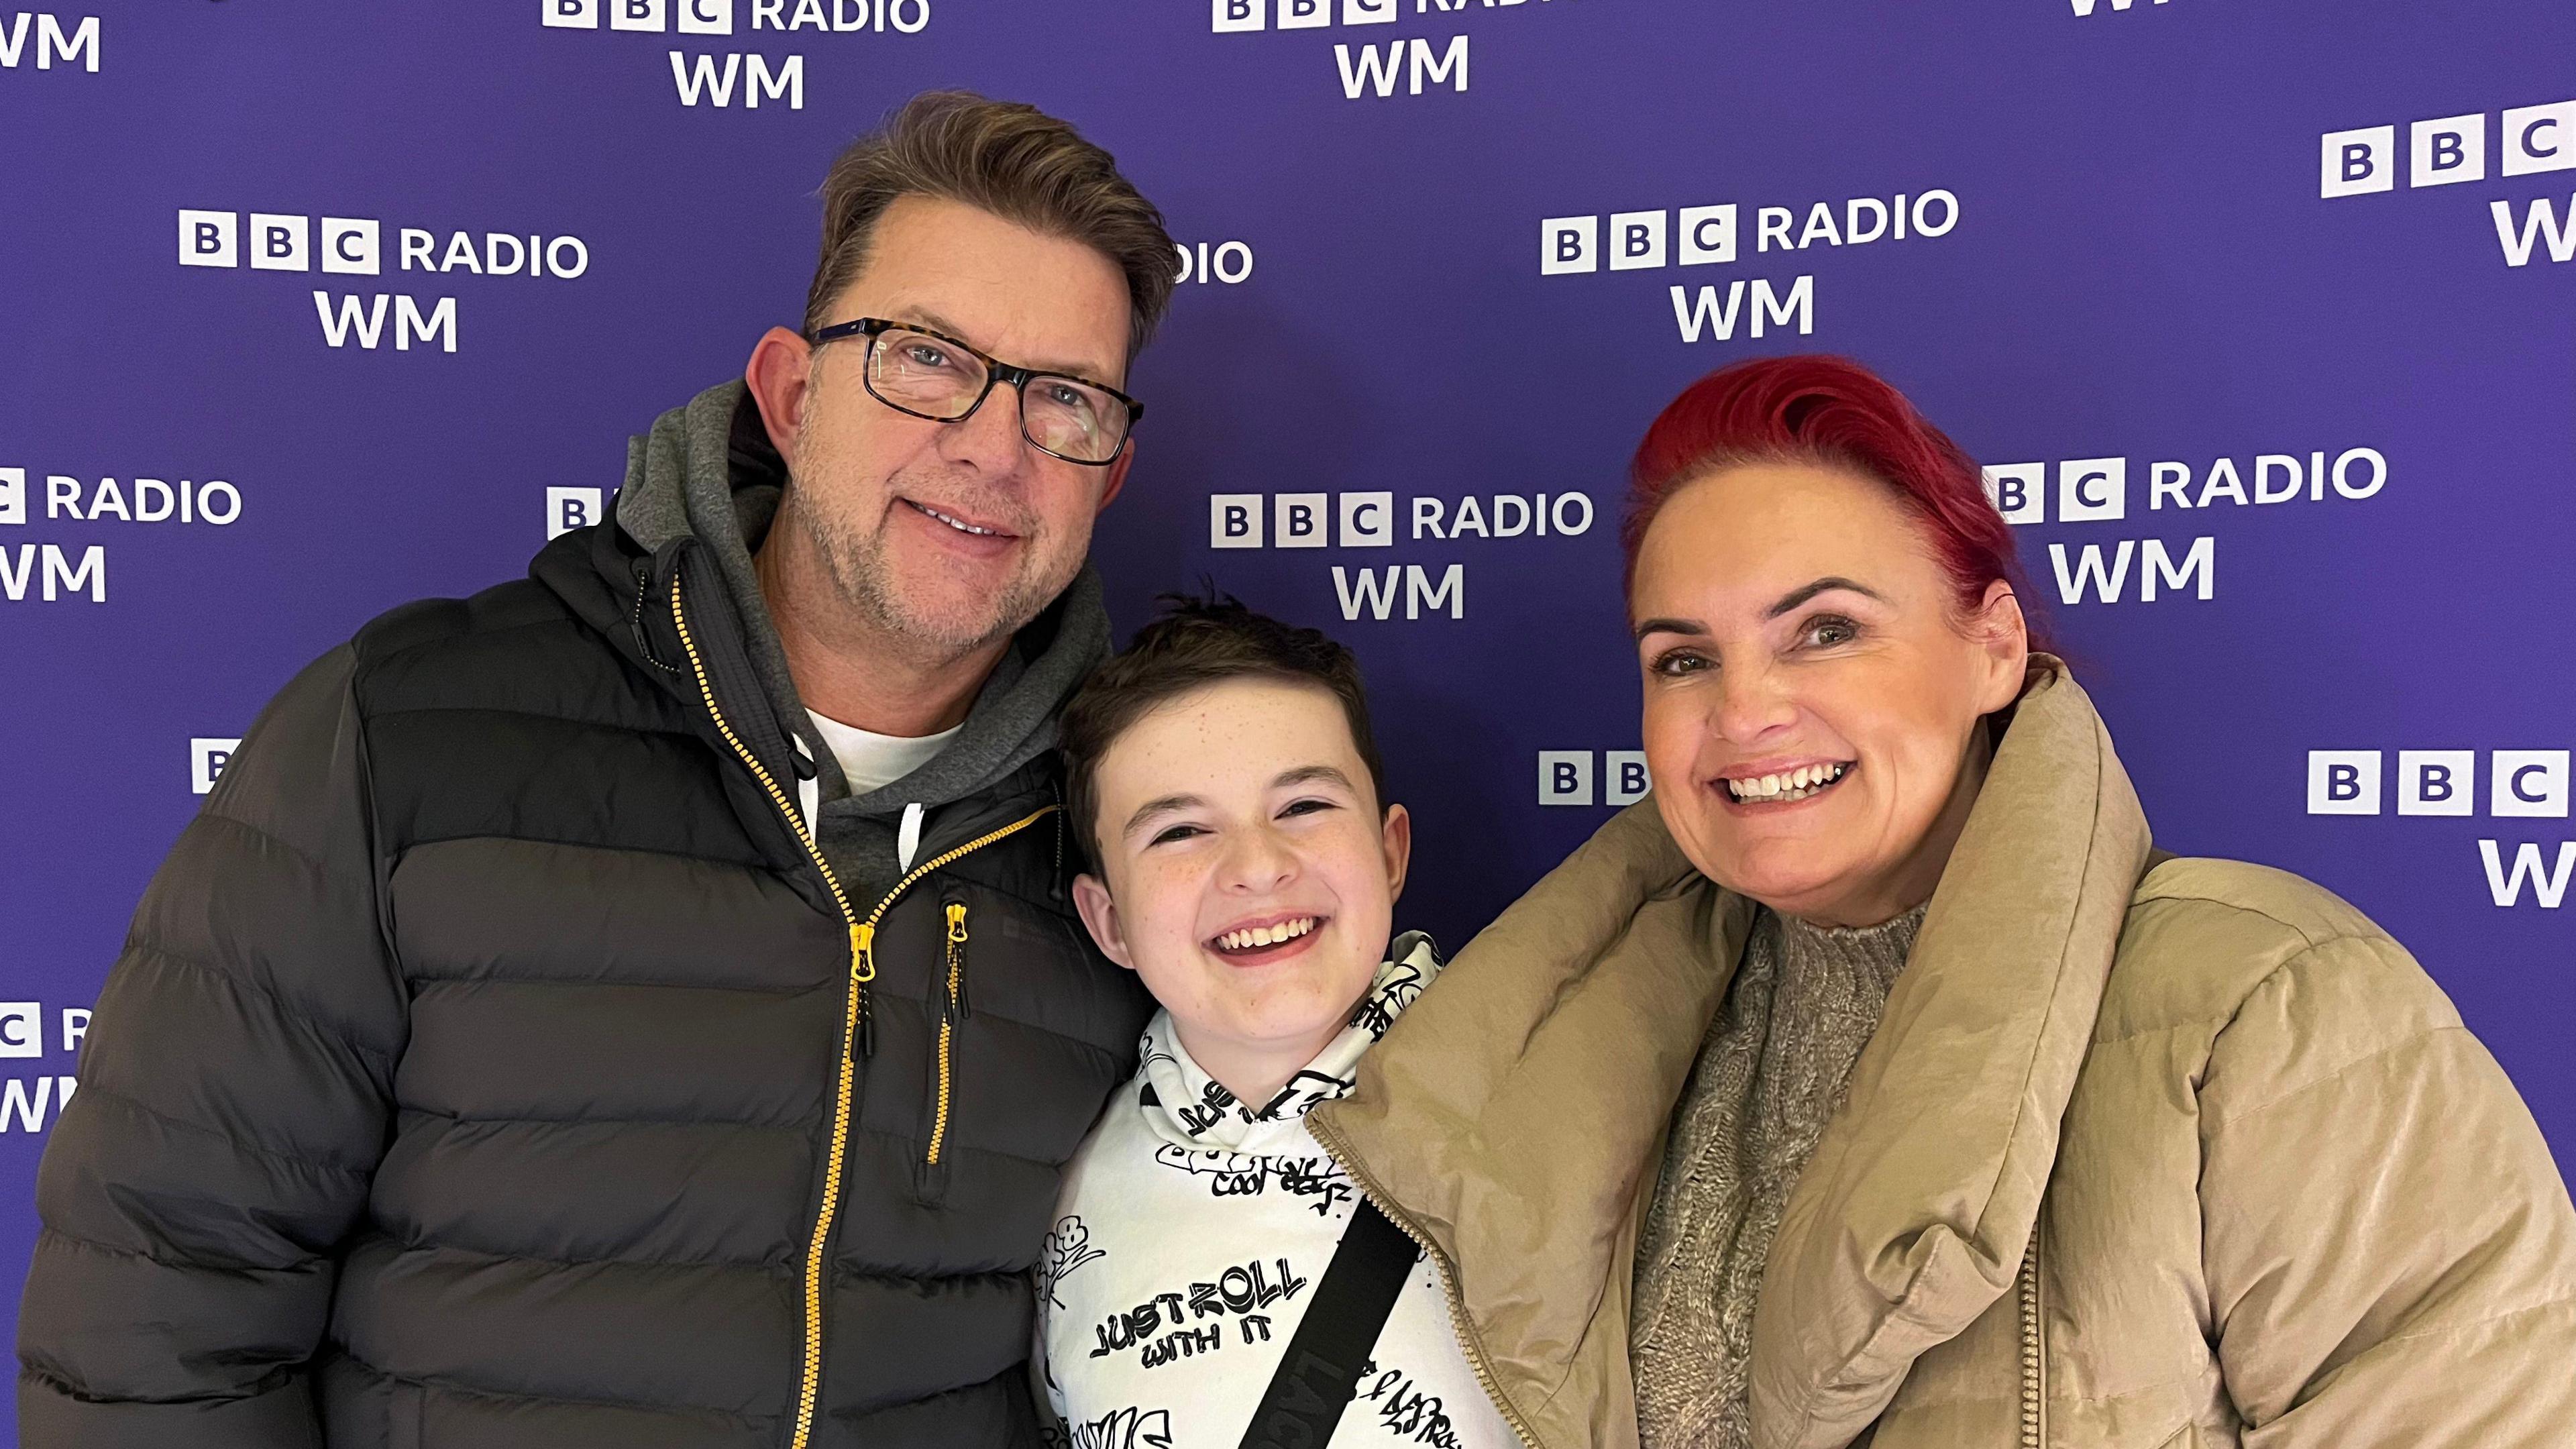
<point x="1518" y="1116"/>
<point x="1185" y="1107"/>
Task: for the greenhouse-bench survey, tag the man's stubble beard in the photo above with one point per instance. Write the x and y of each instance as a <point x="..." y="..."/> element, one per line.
<point x="853" y="552"/>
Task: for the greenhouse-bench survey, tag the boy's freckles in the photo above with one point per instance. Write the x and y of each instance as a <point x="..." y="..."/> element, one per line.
<point x="1249" y="868"/>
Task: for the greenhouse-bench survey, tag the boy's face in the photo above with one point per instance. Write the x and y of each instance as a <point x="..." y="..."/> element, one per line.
<point x="1251" y="875"/>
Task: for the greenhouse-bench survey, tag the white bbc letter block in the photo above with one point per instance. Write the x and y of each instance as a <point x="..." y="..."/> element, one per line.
<point x="2538" y="138"/>
<point x="1305" y="14"/>
<point x="280" y="243"/>
<point x="1569" y="244"/>
<point x="2528" y="784"/>
<point x="571" y="14"/>
<point x="571" y="508"/>
<point x="1229" y="16"/>
<point x="2019" y="491"/>
<point x="209" y="239"/>
<point x="2358" y="162"/>
<point x="2448" y="151"/>
<point x="1368" y="520"/>
<point x="705" y="17"/>
<point x="22" y="1028"/>
<point x="2343" y="782"/>
<point x="13" y="495"/>
<point x="1369" y="12"/>
<point x="1707" y="234"/>
<point x="2437" y="782"/>
<point x="1624" y="780"/>
<point x="206" y="760"/>
<point x="653" y="15"/>
<point x="352" y="245"/>
<point x="1565" y="777"/>
<point x="1300" y="520"/>
<point x="2092" y="490"/>
<point x="1234" y="520"/>
<point x="1636" y="241"/>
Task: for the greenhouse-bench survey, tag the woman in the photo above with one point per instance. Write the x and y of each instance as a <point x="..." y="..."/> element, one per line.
<point x="1877" y="1081"/>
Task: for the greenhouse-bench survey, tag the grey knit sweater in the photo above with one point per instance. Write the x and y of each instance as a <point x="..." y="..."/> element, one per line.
<point x="1770" y="1076"/>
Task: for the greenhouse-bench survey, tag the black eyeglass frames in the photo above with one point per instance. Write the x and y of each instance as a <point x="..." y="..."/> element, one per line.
<point x="916" y="370"/>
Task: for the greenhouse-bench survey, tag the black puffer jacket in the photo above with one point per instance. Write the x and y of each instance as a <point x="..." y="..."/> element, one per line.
<point x="494" y="1065"/>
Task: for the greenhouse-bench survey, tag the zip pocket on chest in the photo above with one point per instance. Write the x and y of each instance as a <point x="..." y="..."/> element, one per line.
<point x="949" y="1011"/>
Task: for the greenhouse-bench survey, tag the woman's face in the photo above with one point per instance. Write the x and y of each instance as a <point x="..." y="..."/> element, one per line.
<point x="1812" y="695"/>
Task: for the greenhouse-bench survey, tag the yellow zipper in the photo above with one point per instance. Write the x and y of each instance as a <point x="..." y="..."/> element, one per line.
<point x="863" y="969"/>
<point x="948" y="1021"/>
<point x="1458" y="1322"/>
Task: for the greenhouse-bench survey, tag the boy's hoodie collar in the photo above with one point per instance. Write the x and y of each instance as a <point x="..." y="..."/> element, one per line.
<point x="1188" y="1108"/>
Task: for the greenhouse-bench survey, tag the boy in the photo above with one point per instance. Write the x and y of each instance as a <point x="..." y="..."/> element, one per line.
<point x="1224" y="779"/>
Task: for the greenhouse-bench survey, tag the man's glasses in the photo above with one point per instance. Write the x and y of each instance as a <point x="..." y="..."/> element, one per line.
<point x="931" y="375"/>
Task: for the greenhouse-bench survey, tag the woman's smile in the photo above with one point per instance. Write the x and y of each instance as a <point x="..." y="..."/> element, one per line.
<point x="1772" y="789"/>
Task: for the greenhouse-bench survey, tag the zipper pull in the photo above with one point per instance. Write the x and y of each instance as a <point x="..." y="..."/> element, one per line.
<point x="957" y="958"/>
<point x="863" y="969"/>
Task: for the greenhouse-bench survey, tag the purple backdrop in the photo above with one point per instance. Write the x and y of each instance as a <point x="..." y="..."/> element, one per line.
<point x="2261" y="316"/>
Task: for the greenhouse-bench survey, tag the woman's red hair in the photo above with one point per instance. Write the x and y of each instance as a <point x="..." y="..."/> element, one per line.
<point x="1836" y="413"/>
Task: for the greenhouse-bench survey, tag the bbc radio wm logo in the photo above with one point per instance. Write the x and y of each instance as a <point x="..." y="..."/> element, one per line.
<point x="27" y="1104"/>
<point x="2453" y="151"/>
<point x="2519" y="785"/>
<point x="52" y="571"/>
<point x="40" y="39"/>
<point x="714" y="80"/>
<point x="2096" y="490"/>
<point x="1566" y="777"/>
<point x="355" y="246"/>
<point x="1371" y="520"/>
<point x="1713" y="235"/>
<point x="1413" y="66"/>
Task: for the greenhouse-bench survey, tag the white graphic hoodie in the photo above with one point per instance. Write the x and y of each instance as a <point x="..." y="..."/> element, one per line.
<point x="1189" y="1239"/>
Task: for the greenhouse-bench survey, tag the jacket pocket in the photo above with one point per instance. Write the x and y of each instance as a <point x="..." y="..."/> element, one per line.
<point x="943" y="1092"/>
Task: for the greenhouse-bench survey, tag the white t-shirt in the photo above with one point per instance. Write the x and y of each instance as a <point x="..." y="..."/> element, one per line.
<point x="1188" y="1241"/>
<point x="872" y="761"/>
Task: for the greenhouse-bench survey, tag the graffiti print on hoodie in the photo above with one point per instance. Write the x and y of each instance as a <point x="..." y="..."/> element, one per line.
<point x="1189" y="1239"/>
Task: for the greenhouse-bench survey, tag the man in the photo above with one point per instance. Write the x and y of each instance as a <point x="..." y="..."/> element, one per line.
<point x="642" y="1005"/>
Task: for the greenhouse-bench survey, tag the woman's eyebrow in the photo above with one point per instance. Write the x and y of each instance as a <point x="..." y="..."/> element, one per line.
<point x="1797" y="596"/>
<point x="1689" y="627"/>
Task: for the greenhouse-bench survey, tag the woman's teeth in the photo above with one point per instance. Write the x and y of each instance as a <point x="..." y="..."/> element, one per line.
<point x="1255" y="937"/>
<point x="1798" y="784"/>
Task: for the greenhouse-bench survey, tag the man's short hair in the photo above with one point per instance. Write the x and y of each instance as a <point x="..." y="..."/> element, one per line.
<point x="1198" y="642"/>
<point x="1012" y="160"/>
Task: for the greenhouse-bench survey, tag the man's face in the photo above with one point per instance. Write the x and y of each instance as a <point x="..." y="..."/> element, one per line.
<point x="953" y="535"/>
<point x="1250" y="873"/>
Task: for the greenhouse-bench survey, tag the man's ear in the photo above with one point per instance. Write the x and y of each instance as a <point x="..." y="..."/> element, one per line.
<point x="781" y="363"/>
<point x="1100" y="916"/>
<point x="2003" y="638"/>
<point x="1397" y="837"/>
<point x="1118" y="473"/>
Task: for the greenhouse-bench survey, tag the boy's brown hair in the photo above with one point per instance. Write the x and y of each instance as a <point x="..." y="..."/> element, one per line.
<point x="1012" y="160"/>
<point x="1199" y="642"/>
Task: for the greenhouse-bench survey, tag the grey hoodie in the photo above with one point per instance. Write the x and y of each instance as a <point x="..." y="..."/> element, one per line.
<point x="707" y="469"/>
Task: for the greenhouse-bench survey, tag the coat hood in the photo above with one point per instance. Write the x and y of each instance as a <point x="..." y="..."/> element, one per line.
<point x="1517" y="1115"/>
<point x="706" y="472"/>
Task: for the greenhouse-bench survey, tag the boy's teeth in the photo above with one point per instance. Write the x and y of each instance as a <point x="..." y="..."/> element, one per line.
<point x="1253" y="937"/>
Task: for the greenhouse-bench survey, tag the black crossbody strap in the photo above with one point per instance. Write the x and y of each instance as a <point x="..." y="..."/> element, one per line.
<point x="1321" y="1369"/>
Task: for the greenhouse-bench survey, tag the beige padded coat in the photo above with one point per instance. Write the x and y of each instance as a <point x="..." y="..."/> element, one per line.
<point x="2188" y="1155"/>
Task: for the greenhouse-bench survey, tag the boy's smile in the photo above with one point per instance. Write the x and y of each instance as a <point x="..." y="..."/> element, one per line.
<point x="1250" y="873"/>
